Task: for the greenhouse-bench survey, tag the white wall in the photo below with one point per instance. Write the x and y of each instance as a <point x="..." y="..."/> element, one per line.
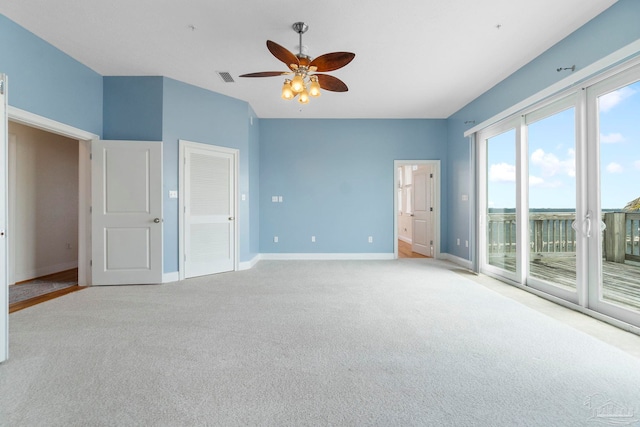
<point x="43" y="202"/>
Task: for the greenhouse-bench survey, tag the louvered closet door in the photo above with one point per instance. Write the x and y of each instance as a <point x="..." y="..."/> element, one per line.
<point x="209" y="212"/>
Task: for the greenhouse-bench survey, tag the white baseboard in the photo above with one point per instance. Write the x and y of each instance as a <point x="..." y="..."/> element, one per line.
<point x="457" y="260"/>
<point x="44" y="271"/>
<point x="405" y="239"/>
<point x="173" y="276"/>
<point x="247" y="265"/>
<point x="327" y="256"/>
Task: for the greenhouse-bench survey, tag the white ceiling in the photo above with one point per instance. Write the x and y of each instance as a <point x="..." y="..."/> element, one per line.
<point x="414" y="58"/>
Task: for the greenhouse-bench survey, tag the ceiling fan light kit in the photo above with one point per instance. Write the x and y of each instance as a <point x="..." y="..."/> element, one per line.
<point x="304" y="84"/>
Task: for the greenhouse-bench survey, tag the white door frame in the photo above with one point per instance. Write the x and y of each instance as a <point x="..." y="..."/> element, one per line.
<point x="436" y="201"/>
<point x="183" y="144"/>
<point x="84" y="174"/>
<point x="4" y="223"/>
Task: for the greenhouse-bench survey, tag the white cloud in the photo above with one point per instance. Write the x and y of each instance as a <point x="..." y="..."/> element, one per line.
<point x="611" y="99"/>
<point x="614" y="167"/>
<point x="551" y="165"/>
<point x="502" y="172"/>
<point x="611" y="138"/>
<point x="535" y="181"/>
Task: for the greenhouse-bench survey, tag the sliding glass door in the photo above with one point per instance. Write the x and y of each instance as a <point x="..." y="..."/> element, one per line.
<point x="614" y="137"/>
<point x="551" y="212"/>
<point x="499" y="201"/>
<point x="559" y="196"/>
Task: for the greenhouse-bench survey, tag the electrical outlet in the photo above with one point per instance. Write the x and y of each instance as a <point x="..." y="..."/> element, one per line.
<point x="458" y="242"/>
<point x="275" y="239"/>
<point x="313" y="239"/>
<point x="370" y="239"/>
<point x="68" y="245"/>
<point x="466" y="243"/>
<point x="274" y="199"/>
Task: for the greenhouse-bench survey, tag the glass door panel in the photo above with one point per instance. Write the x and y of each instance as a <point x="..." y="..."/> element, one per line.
<point x="552" y="199"/>
<point x="501" y="234"/>
<point x="618" y="117"/>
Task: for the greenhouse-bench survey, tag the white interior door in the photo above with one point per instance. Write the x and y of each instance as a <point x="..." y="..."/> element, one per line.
<point x="209" y="209"/>
<point x="126" y="194"/>
<point x="422" y="239"/>
<point x="4" y="289"/>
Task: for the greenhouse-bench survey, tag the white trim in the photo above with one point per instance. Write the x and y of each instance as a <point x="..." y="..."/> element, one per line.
<point x="457" y="260"/>
<point x="571" y="80"/>
<point x="405" y="239"/>
<point x="43" y="123"/>
<point x="44" y="271"/>
<point x="4" y="213"/>
<point x="84" y="220"/>
<point x="182" y="146"/>
<point x="173" y="276"/>
<point x="27" y="118"/>
<point x="248" y="265"/>
<point x="326" y="256"/>
<point x="436" y="201"/>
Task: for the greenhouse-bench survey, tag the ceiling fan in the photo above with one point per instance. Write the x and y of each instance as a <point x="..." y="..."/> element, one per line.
<point x="306" y="80"/>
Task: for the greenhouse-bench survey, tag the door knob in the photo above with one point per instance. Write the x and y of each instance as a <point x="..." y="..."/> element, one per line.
<point x="231" y="218"/>
<point x="156" y="220"/>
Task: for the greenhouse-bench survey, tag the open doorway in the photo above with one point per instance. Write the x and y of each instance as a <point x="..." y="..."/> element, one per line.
<point x="43" y="189"/>
<point x="417" y="208"/>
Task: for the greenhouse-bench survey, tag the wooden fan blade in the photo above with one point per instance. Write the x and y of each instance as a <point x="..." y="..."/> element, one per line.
<point x="266" y="74"/>
<point x="330" y="83"/>
<point x="282" y="54"/>
<point x="332" y="61"/>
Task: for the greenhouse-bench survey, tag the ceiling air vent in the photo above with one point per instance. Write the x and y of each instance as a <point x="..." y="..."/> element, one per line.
<point x="225" y="76"/>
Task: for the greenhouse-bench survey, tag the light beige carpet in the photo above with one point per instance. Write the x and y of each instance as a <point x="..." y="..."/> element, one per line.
<point x="341" y="343"/>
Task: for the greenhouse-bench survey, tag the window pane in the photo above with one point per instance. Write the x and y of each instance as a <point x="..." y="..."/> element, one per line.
<point x="552" y="199"/>
<point x="619" y="118"/>
<point x="501" y="201"/>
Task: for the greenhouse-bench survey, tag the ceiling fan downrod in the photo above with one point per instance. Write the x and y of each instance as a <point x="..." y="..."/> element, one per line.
<point x="300" y="28"/>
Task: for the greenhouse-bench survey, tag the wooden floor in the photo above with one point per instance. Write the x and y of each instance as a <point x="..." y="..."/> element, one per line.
<point x="621" y="282"/>
<point x="404" y="251"/>
<point x="64" y="276"/>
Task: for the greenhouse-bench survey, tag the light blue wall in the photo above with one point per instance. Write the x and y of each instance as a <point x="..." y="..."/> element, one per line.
<point x="611" y="30"/>
<point x="199" y="115"/>
<point x="133" y="108"/>
<point x="163" y="109"/>
<point x="337" y="181"/>
<point x="45" y="81"/>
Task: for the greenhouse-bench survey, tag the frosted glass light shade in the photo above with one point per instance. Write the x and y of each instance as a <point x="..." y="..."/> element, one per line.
<point x="314" y="88"/>
<point x="297" y="84"/>
<point x="304" y="97"/>
<point x="287" y="92"/>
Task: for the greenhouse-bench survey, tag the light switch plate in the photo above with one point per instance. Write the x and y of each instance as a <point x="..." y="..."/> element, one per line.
<point x="173" y="194"/>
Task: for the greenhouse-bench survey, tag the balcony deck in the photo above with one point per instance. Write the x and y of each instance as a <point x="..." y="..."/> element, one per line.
<point x="621" y="281"/>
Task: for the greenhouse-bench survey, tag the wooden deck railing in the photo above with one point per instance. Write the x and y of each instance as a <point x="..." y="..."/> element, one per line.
<point x="550" y="234"/>
<point x="622" y="236"/>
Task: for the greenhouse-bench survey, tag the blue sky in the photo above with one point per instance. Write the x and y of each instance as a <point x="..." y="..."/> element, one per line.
<point x="552" y="157"/>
